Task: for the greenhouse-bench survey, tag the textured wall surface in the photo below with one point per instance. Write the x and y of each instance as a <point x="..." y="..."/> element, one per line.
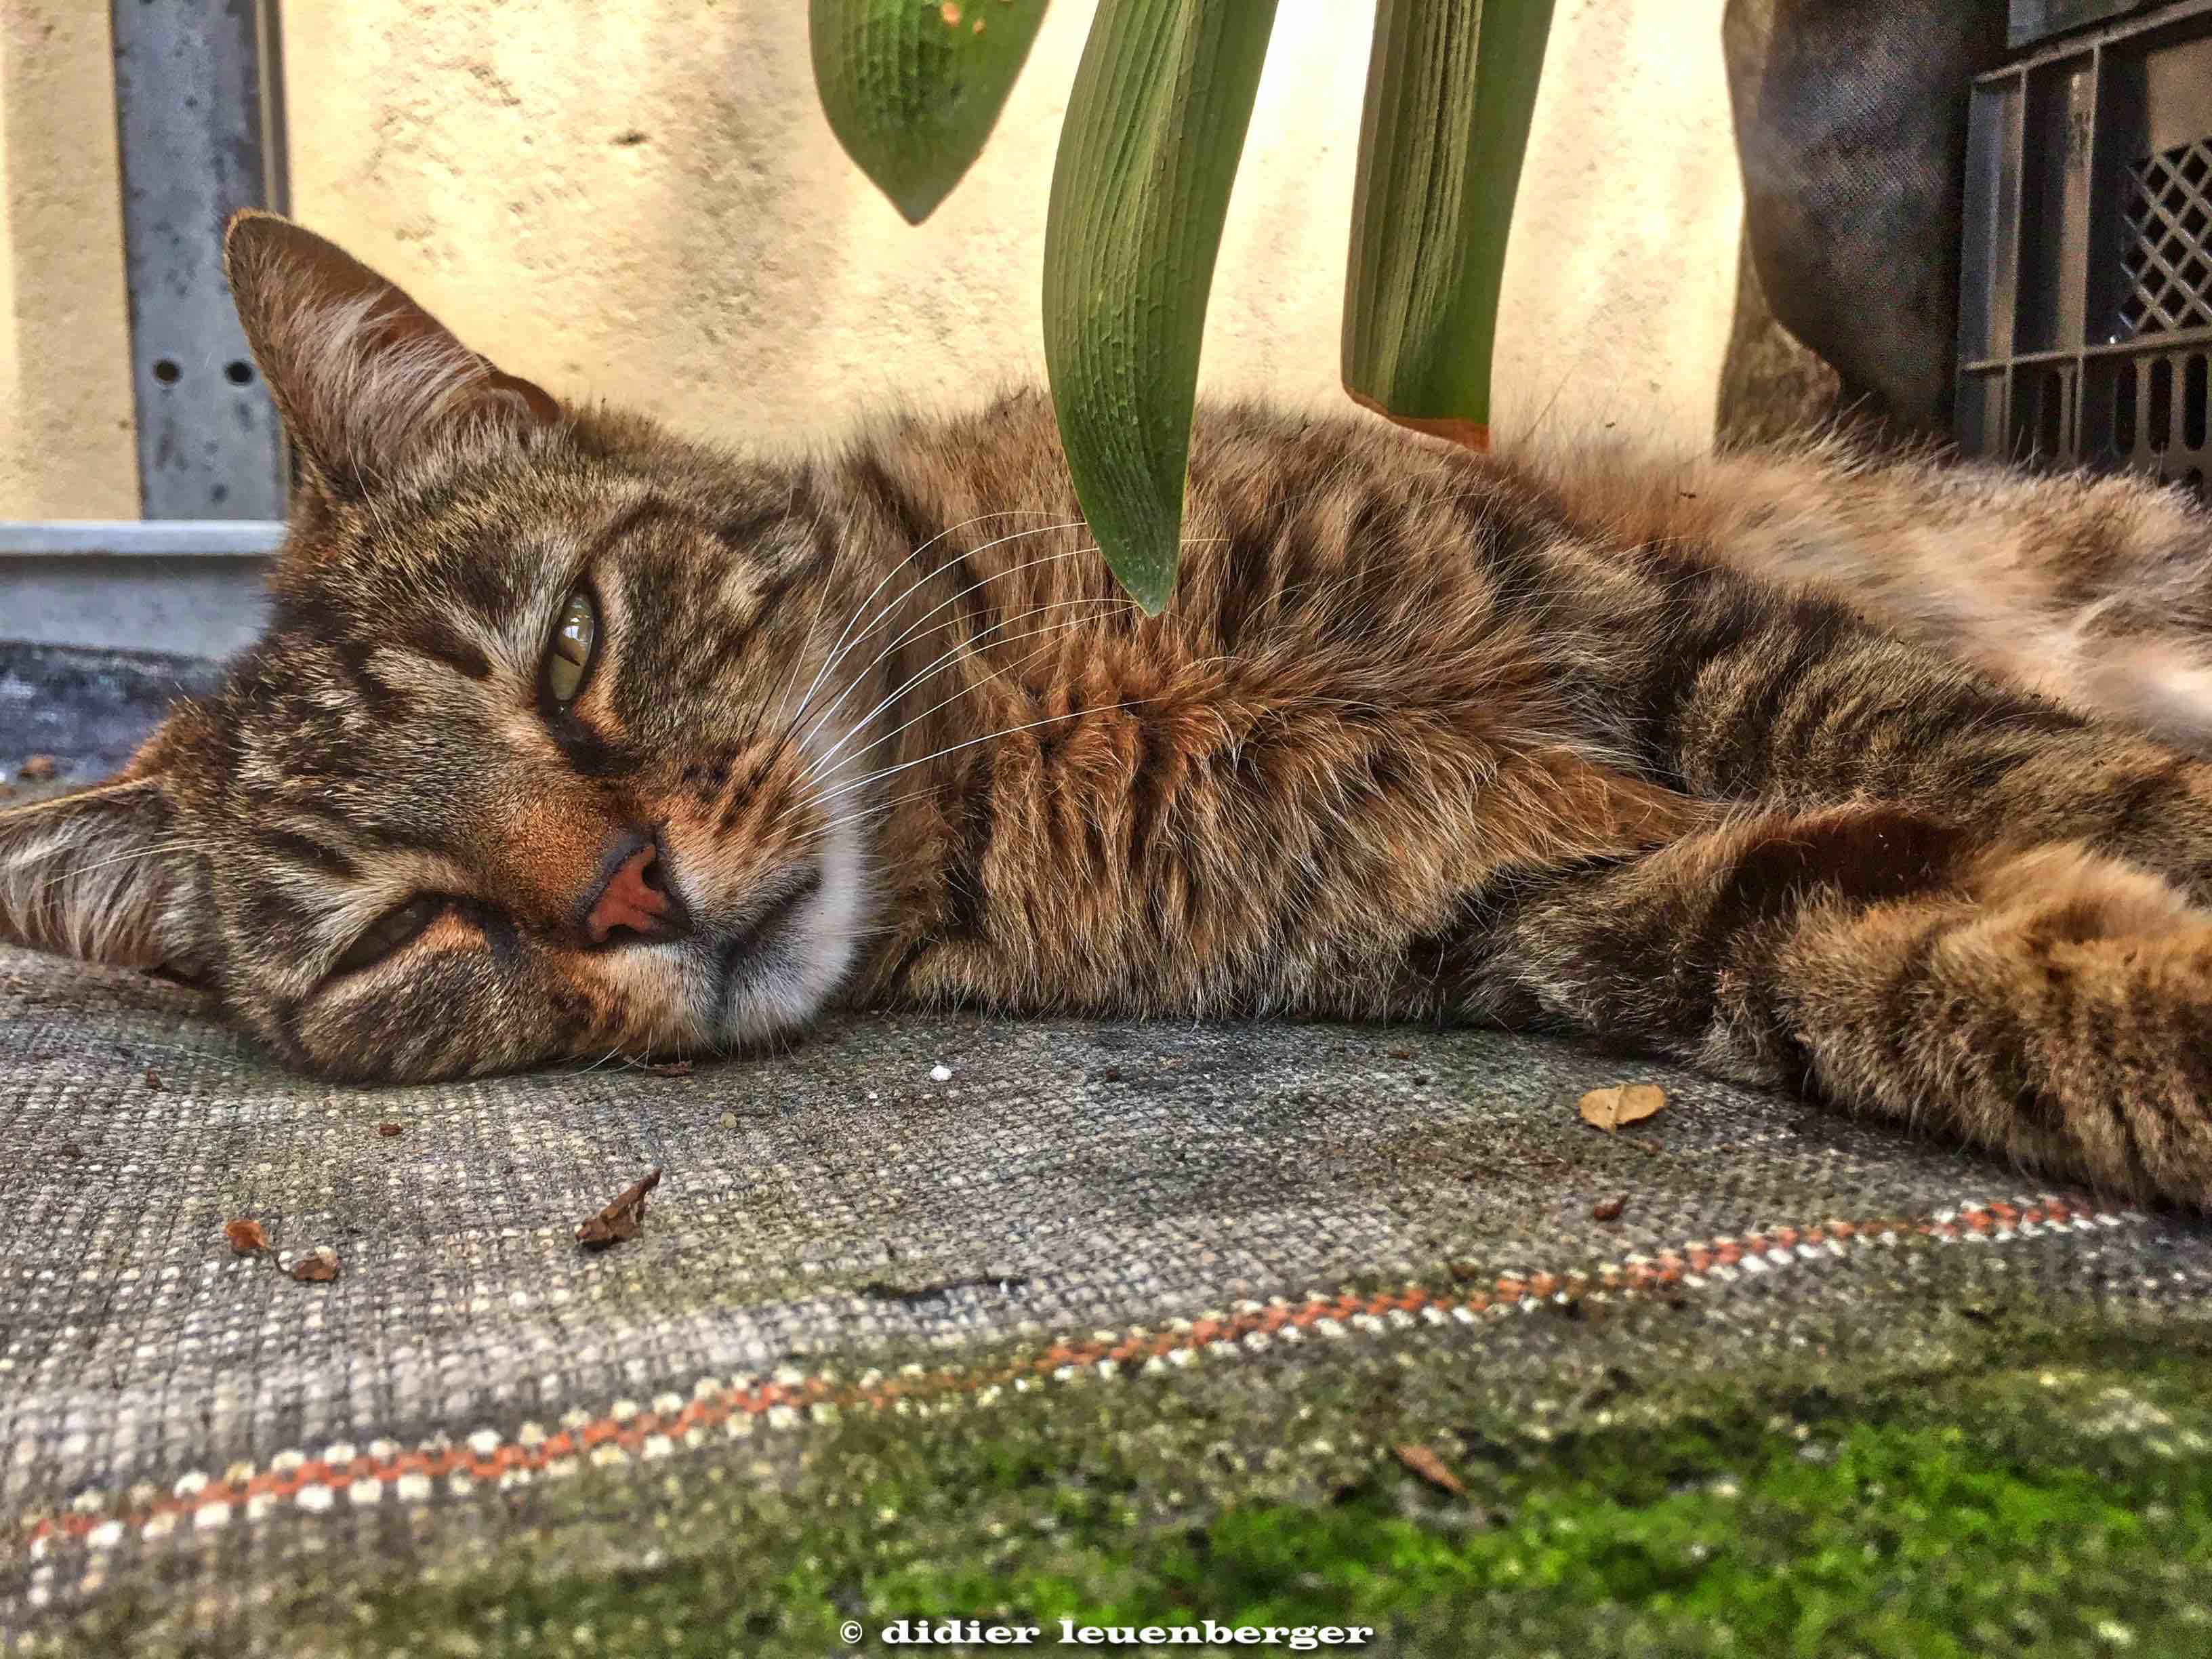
<point x="639" y="200"/>
<point x="65" y="440"/>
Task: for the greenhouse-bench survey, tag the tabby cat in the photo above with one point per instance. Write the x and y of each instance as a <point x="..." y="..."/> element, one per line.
<point x="569" y="736"/>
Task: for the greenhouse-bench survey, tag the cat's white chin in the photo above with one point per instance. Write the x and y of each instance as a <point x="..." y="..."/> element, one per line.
<point x="787" y="970"/>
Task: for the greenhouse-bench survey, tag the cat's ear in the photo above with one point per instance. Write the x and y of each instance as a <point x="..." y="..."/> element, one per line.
<point x="361" y="374"/>
<point x="99" y="875"/>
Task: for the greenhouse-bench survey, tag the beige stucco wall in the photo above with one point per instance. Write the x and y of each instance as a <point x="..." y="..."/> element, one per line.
<point x="65" y="440"/>
<point x="641" y="201"/>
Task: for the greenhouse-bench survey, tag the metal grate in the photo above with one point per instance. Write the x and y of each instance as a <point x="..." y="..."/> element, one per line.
<point x="2085" y="314"/>
<point x="2039" y="19"/>
<point x="2168" y="260"/>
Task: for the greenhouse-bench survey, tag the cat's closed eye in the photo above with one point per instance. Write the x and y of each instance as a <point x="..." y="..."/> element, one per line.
<point x="568" y="656"/>
<point x="394" y="928"/>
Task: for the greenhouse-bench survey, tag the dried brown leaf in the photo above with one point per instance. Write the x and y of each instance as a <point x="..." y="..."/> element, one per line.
<point x="1624" y="1102"/>
<point x="1608" y="1209"/>
<point x="622" y="1218"/>
<point x="39" y="769"/>
<point x="387" y="1130"/>
<point x="1430" y="1467"/>
<point x="670" y="1068"/>
<point x="318" y="1267"/>
<point x="153" y="1079"/>
<point x="245" y="1237"/>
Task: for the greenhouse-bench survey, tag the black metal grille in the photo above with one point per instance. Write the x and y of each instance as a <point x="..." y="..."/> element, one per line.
<point x="2085" y="321"/>
<point x="2169" y="253"/>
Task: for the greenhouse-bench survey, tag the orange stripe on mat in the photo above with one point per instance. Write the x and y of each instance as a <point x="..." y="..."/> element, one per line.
<point x="216" y="1503"/>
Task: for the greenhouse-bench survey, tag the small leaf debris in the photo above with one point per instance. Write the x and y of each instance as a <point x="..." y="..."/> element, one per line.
<point x="620" y="1220"/>
<point x="1430" y="1467"/>
<point x="670" y="1068"/>
<point x="318" y="1267"/>
<point x="877" y="1290"/>
<point x="39" y="769"/>
<point x="1624" y="1102"/>
<point x="153" y="1079"/>
<point x="1608" y="1209"/>
<point x="388" y="1130"/>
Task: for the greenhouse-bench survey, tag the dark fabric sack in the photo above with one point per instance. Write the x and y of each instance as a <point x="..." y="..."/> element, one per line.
<point x="1851" y="119"/>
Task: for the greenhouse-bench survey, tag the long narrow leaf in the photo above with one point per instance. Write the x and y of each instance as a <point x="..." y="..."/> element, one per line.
<point x="1451" y="86"/>
<point x="912" y="87"/>
<point x="1155" y="127"/>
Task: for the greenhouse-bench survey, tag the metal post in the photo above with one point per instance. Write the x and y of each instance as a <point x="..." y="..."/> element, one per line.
<point x="198" y="113"/>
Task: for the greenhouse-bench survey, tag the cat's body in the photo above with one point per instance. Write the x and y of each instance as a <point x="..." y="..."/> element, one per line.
<point x="2094" y="591"/>
<point x="570" y="737"/>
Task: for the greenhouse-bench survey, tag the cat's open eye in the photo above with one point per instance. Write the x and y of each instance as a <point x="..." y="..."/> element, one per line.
<point x="568" y="658"/>
<point x="392" y="930"/>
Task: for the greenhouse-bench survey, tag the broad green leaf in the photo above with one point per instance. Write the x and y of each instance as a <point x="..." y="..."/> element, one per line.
<point x="1451" y="85"/>
<point x="912" y="87"/>
<point x="1155" y="126"/>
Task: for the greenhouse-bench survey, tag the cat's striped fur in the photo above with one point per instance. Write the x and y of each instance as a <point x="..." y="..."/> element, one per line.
<point x="1421" y="736"/>
<point x="2094" y="591"/>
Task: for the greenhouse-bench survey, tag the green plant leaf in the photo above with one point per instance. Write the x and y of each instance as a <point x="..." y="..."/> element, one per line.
<point x="1451" y="85"/>
<point x="912" y="87"/>
<point x="1155" y="127"/>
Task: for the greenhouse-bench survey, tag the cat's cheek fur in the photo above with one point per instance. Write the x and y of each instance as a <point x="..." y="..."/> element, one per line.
<point x="815" y="950"/>
<point x="642" y="1000"/>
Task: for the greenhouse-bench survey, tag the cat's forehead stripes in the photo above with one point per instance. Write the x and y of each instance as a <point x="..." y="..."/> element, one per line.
<point x="437" y="685"/>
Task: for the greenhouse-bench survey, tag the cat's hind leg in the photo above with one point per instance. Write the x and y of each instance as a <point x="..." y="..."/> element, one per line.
<point x="2047" y="1003"/>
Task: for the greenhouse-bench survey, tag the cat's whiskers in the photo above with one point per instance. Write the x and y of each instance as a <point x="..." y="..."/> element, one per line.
<point x="158" y="850"/>
<point x="798" y="666"/>
<point x="884" y="612"/>
<point x="970" y="743"/>
<point x="823" y="798"/>
<point x="829" y="827"/>
<point x="1015" y="536"/>
<point x="1113" y="601"/>
<point x="889" y="608"/>
<point x="830" y="661"/>
<point x="945" y="604"/>
<point x="965" y="647"/>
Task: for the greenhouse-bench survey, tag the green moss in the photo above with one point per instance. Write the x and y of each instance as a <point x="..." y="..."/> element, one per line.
<point x="2000" y="1482"/>
<point x="1984" y="1507"/>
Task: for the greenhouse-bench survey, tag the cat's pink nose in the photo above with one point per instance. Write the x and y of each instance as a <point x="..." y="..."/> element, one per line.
<point x="635" y="898"/>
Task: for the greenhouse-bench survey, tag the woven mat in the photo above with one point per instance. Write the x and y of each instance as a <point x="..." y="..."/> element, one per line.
<point x="1206" y="1235"/>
